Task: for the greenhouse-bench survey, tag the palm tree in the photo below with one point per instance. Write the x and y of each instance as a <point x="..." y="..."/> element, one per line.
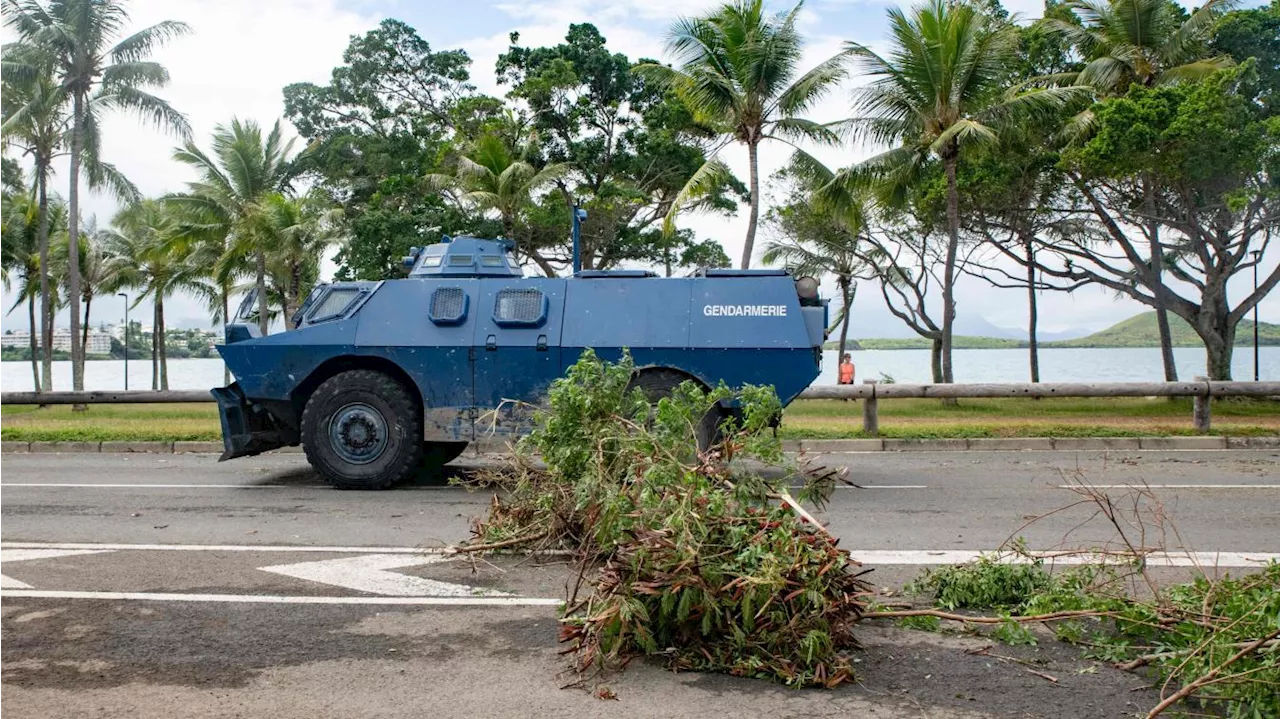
<point x="99" y="271"/>
<point x="1144" y="42"/>
<point x="226" y="204"/>
<point x="820" y="235"/>
<point x="140" y="243"/>
<point x="209" y="248"/>
<point x="939" y="89"/>
<point x="490" y="176"/>
<point x="34" y="121"/>
<point x="735" y="73"/>
<point x="303" y="230"/>
<point x="20" y="257"/>
<point x="100" y="73"/>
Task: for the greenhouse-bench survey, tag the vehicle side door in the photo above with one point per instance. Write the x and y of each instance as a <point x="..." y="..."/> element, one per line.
<point x="518" y="327"/>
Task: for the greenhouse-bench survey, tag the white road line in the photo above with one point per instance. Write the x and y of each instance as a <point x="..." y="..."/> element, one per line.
<point x="91" y="485"/>
<point x="1174" y="486"/>
<point x="163" y="486"/>
<point x="226" y="548"/>
<point x="277" y="599"/>
<point x="866" y="556"/>
<point x="884" y="486"/>
<point x="1156" y="559"/>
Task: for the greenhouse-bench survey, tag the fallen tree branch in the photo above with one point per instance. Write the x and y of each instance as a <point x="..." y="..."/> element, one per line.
<point x="984" y="620"/>
<point x="1146" y="659"/>
<point x="499" y="545"/>
<point x="785" y="497"/>
<point x="1211" y="676"/>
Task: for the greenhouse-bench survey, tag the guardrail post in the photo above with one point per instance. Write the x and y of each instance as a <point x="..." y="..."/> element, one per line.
<point x="1201" y="412"/>
<point x="871" y="411"/>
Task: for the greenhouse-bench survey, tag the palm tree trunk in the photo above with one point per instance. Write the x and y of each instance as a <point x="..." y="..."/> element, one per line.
<point x="949" y="271"/>
<point x="160" y="333"/>
<point x="226" y="319"/>
<point x="46" y="301"/>
<point x="35" y="363"/>
<point x="846" y="300"/>
<point x="293" y="296"/>
<point x="155" y="353"/>
<point x="84" y="331"/>
<point x="73" y="243"/>
<point x="1033" y="348"/>
<point x="262" y="292"/>
<point x="748" y="246"/>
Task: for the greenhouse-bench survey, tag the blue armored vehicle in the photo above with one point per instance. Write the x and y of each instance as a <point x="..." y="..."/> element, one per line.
<point x="377" y="378"/>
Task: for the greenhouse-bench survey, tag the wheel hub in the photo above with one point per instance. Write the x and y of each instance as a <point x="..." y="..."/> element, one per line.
<point x="358" y="433"/>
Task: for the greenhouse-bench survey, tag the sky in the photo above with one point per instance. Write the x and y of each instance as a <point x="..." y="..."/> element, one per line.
<point x="243" y="52"/>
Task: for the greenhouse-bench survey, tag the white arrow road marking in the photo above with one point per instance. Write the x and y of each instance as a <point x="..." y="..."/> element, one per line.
<point x="368" y="573"/>
<point x="20" y="555"/>
<point x="277" y="599"/>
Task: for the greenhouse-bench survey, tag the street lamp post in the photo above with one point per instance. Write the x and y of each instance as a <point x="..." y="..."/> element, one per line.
<point x="1257" y="255"/>
<point x="126" y="340"/>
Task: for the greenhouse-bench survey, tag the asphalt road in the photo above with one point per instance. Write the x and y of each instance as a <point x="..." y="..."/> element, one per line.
<point x="148" y="585"/>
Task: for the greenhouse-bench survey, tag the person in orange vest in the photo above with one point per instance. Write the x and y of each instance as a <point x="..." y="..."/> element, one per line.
<point x="846" y="369"/>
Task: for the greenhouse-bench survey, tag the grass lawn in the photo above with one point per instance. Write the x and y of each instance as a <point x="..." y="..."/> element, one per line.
<point x="193" y="421"/>
<point x="812" y="419"/>
<point x="1016" y="417"/>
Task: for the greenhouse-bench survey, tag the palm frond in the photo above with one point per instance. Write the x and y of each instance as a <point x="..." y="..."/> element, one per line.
<point x="704" y="181"/>
<point x="813" y="85"/>
<point x="146" y="41"/>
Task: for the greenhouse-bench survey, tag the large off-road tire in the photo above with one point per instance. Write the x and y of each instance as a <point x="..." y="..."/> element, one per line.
<point x="659" y="383"/>
<point x="362" y="429"/>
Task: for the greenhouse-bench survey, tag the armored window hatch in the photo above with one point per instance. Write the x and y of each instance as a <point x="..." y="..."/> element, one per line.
<point x="448" y="306"/>
<point x="334" y="304"/>
<point x="520" y="308"/>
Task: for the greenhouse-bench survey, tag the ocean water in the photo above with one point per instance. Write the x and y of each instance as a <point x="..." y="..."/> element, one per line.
<point x="905" y="366"/>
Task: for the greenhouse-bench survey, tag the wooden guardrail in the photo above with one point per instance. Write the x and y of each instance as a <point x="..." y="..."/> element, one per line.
<point x="1202" y="390"/>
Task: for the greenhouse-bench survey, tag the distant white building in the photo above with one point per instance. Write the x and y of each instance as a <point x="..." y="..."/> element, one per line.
<point x="99" y="342"/>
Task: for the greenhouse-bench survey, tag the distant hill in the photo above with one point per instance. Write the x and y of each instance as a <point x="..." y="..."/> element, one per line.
<point x="1137" y="331"/>
<point x="1141" y="331"/>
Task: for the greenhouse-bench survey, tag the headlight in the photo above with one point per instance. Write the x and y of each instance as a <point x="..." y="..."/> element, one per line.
<point x="807" y="288"/>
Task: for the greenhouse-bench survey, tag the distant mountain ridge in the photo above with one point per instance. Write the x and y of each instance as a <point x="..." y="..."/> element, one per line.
<point x="1137" y="331"/>
<point x="1142" y="331"/>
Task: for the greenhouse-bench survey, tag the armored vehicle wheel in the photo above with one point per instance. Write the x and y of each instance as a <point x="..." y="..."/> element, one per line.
<point x="438" y="454"/>
<point x="659" y="383"/>
<point x="361" y="430"/>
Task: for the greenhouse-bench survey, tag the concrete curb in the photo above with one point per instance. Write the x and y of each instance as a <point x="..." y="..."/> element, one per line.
<point x="809" y="446"/>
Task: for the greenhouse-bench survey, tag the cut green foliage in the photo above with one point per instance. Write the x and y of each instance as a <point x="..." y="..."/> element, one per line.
<point x="685" y="555"/>
<point x="1209" y="642"/>
<point x="985" y="583"/>
<point x="1014" y="634"/>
